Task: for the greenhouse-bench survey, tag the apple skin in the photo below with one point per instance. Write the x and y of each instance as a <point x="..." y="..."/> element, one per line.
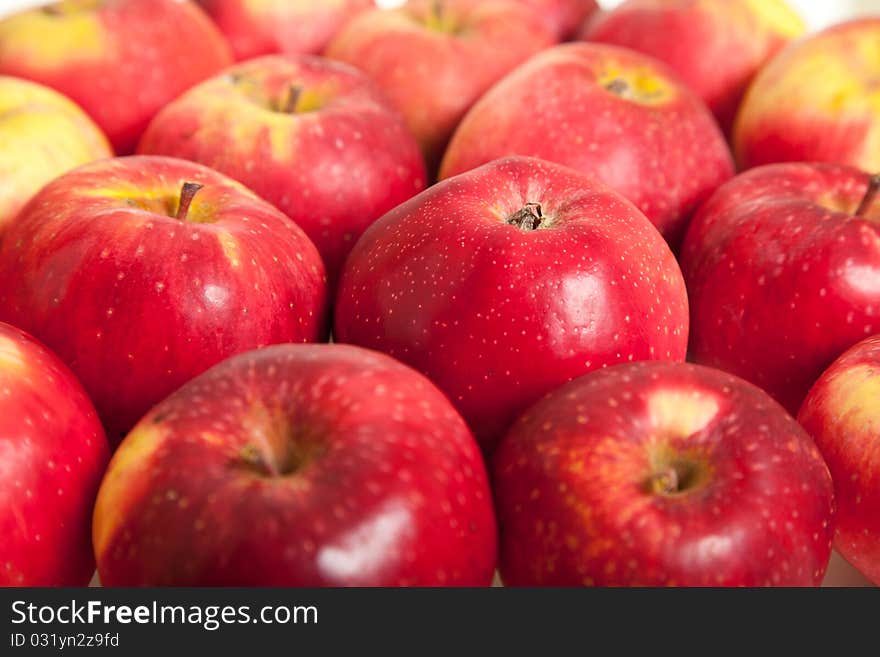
<point x="299" y="465"/>
<point x="564" y="17"/>
<point x="267" y="27"/>
<point x="137" y="302"/>
<point x="816" y="102"/>
<point x="715" y="46"/>
<point x="842" y="415"/>
<point x="661" y="474"/>
<point x="497" y="316"/>
<point x="433" y="68"/>
<point x="335" y="164"/>
<point x="782" y="276"/>
<point x="42" y="135"/>
<point x="653" y="141"/>
<point x="120" y="60"/>
<point x="54" y="454"/>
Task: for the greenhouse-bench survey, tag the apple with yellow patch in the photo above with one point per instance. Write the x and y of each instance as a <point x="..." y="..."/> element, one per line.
<point x="817" y="101"/>
<point x="314" y="137"/>
<point x="42" y="135"/>
<point x="142" y="272"/>
<point x="782" y="266"/>
<point x="435" y="58"/>
<point x="298" y="465"/>
<point x="661" y="474"/>
<point x="842" y="413"/>
<point x="266" y="27"/>
<point x="53" y="453"/>
<point x="120" y="60"/>
<point x="715" y="46"/>
<point x="610" y="112"/>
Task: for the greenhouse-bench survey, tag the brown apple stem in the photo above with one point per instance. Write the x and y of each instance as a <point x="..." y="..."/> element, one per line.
<point x="291" y="99"/>
<point x="617" y="86"/>
<point x="59" y="9"/>
<point x="187" y="193"/>
<point x="870" y="195"/>
<point x="665" y="482"/>
<point x="437" y="10"/>
<point x="529" y="217"/>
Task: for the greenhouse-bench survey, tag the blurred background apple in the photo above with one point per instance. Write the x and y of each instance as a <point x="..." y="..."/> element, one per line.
<point x="816" y="14"/>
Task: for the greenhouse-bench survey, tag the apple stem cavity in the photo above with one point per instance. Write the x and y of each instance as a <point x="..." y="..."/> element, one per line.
<point x="438" y="19"/>
<point x="870" y="195"/>
<point x="665" y="482"/>
<point x="529" y="217"/>
<point x="187" y="193"/>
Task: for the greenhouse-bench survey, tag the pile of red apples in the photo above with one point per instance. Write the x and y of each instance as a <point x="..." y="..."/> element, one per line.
<point x="315" y="293"/>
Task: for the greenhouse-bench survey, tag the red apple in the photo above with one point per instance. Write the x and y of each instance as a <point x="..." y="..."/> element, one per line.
<point x="139" y="280"/>
<point x="503" y="283"/>
<point x="314" y="137"/>
<point x="563" y="17"/>
<point x="843" y="416"/>
<point x="53" y="453"/>
<point x="434" y="58"/>
<point x="121" y="60"/>
<point x="715" y="46"/>
<point x="783" y="270"/>
<point x="610" y="112"/>
<point x="587" y="25"/>
<point x="661" y="474"/>
<point x="816" y="101"/>
<point x="298" y="466"/>
<point x="42" y="135"/>
<point x="265" y="27"/>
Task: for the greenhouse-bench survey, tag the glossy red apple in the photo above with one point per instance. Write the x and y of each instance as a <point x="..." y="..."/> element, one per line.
<point x="298" y="466"/>
<point x="505" y="282"/>
<point x="120" y="60"/>
<point x="661" y="474"/>
<point x="783" y="271"/>
<point x="314" y="137"/>
<point x="435" y="58"/>
<point x="142" y="272"/>
<point x="607" y="111"/>
<point x="842" y="413"/>
<point x="53" y="454"/>
<point x="715" y="46"/>
<point x="265" y="27"/>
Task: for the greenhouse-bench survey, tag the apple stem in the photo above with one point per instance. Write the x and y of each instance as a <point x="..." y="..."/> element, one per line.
<point x="617" y="86"/>
<point x="187" y="193"/>
<point x="62" y="8"/>
<point x="529" y="217"/>
<point x="288" y="106"/>
<point x="437" y="9"/>
<point x="870" y="195"/>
